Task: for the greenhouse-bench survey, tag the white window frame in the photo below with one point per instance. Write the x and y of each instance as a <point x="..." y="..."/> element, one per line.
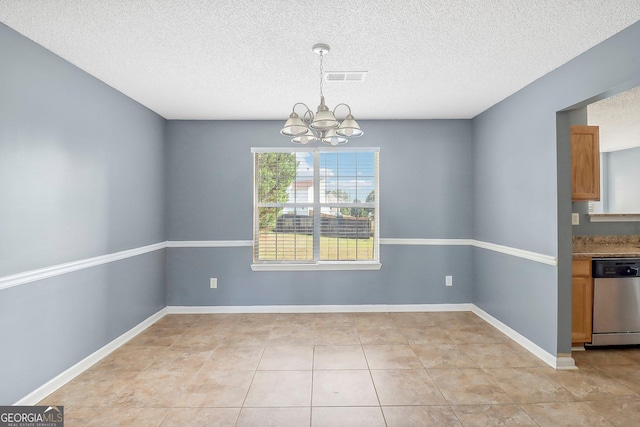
<point x="317" y="264"/>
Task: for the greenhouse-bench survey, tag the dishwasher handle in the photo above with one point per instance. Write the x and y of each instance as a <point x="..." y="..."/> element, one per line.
<point x="630" y="271"/>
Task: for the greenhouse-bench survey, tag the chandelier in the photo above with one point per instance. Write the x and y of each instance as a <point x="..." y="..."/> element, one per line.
<point x="323" y="124"/>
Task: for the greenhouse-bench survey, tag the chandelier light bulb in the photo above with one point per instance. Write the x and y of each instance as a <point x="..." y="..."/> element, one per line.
<point x="294" y="126"/>
<point x="305" y="138"/>
<point x="332" y="138"/>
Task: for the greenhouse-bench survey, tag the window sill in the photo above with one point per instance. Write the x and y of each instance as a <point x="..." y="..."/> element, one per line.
<point x="318" y="266"/>
<point x="630" y="217"/>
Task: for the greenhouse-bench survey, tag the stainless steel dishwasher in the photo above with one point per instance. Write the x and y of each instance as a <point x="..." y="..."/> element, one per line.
<point x="616" y="301"/>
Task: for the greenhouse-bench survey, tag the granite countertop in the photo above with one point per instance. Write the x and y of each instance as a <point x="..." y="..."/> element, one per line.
<point x="606" y="246"/>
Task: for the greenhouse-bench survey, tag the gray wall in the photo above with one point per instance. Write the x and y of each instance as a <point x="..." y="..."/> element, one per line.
<point x="623" y="187"/>
<point x="81" y="175"/>
<point x="49" y="325"/>
<point x="587" y="228"/>
<point x="425" y="192"/>
<point x="517" y="176"/>
<point x="409" y="275"/>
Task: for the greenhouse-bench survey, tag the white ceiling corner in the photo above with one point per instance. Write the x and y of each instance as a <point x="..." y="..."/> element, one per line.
<point x="224" y="59"/>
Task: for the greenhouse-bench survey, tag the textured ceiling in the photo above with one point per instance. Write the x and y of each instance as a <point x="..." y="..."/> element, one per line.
<point x="619" y="120"/>
<point x="227" y="59"/>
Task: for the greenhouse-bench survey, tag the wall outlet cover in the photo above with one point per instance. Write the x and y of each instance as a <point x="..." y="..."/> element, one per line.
<point x="575" y="219"/>
<point x="448" y="280"/>
<point x="213" y="283"/>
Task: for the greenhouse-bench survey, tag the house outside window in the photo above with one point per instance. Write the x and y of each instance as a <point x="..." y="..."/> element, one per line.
<point x="316" y="208"/>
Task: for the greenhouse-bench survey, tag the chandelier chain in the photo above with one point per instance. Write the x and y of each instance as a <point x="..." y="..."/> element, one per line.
<point x="321" y="56"/>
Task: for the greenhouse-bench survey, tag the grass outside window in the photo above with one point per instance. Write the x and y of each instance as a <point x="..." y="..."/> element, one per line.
<point x="299" y="247"/>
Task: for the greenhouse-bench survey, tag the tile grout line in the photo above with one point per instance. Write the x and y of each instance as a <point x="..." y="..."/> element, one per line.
<point x="375" y="389"/>
<point x="313" y="374"/>
<point x="195" y="375"/>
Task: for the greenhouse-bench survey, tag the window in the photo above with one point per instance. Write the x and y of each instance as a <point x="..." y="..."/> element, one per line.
<point x="315" y="208"/>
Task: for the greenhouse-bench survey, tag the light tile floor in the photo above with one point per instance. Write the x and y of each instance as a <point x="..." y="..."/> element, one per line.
<point x="345" y="369"/>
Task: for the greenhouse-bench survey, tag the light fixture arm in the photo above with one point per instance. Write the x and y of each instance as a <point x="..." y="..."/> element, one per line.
<point x="336" y="108"/>
<point x="307" y="112"/>
<point x="308" y="117"/>
<point x="300" y="103"/>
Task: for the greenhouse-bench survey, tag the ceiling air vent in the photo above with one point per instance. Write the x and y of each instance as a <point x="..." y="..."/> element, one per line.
<point x="345" y="76"/>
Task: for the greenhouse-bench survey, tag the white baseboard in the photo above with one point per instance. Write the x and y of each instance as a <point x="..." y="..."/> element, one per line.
<point x="369" y="308"/>
<point x="49" y="387"/>
<point x="565" y="363"/>
<point x="560" y="363"/>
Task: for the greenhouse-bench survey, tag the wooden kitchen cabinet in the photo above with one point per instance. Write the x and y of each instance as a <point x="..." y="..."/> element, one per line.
<point x="582" y="302"/>
<point x="585" y="163"/>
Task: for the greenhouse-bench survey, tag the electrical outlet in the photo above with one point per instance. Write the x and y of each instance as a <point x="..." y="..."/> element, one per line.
<point x="575" y="219"/>
<point x="213" y="283"/>
<point x="448" y="281"/>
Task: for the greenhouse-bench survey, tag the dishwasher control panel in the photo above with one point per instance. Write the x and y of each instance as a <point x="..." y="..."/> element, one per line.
<point x="616" y="267"/>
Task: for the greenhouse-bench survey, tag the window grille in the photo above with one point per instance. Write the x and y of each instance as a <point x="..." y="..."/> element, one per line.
<point x="314" y="205"/>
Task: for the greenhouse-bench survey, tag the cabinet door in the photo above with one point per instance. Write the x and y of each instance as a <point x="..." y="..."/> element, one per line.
<point x="585" y="163"/>
<point x="582" y="310"/>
